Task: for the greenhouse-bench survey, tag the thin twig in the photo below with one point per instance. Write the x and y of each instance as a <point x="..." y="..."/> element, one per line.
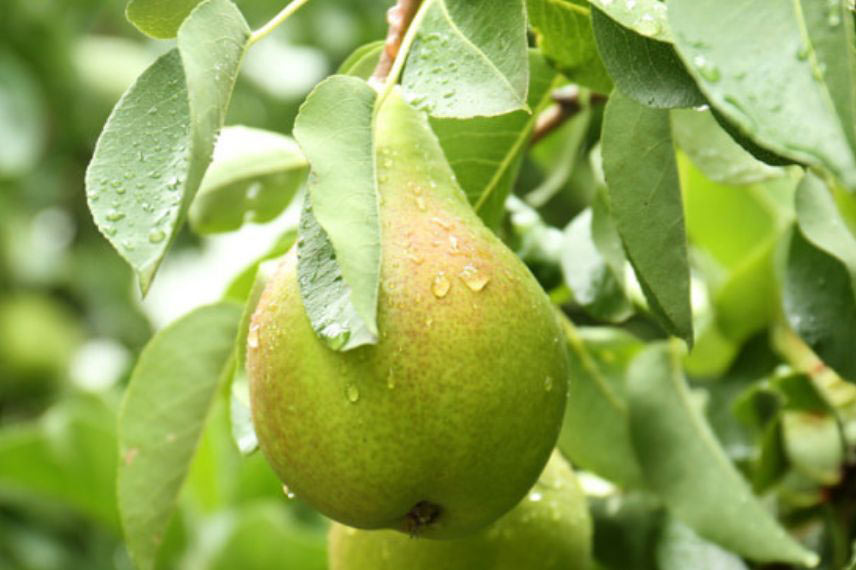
<point x="283" y="15"/>
<point x="399" y="18"/>
<point x="566" y="105"/>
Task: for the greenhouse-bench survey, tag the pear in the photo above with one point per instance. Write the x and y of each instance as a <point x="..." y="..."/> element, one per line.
<point x="444" y="424"/>
<point x="550" y="529"/>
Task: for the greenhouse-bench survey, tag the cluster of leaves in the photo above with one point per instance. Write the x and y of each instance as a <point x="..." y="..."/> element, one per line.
<point x="710" y="200"/>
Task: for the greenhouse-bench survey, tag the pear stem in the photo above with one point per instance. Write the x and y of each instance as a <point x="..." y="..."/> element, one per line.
<point x="403" y="20"/>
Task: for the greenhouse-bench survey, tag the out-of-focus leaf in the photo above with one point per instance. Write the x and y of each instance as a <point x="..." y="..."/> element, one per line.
<point x="626" y="529"/>
<point x="241" y="286"/>
<point x="714" y="152"/>
<point x="253" y="175"/>
<point x="68" y="458"/>
<point x="684" y="464"/>
<point x="23" y="122"/>
<point x="486" y="152"/>
<point x="679" y="548"/>
<point x="108" y="65"/>
<point x="813" y="444"/>
<point x="362" y="61"/>
<point x="596" y="396"/>
<point x="587" y="274"/>
<point x="162" y="417"/>
<point x="645" y="197"/>
<point x="267" y="535"/>
<point x="339" y="254"/>
<point x="157" y="143"/>
<point x="564" y="35"/>
<point x="798" y="54"/>
<point x="645" y="17"/>
<point x="468" y="59"/>
<point x="159" y="18"/>
<point x="819" y="278"/>
<point x="646" y="70"/>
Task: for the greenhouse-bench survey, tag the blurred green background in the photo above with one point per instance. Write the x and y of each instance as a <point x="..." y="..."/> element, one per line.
<point x="71" y="320"/>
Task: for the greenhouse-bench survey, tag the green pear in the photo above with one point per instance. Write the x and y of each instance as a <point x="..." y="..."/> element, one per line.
<point x="445" y="423"/>
<point x="550" y="529"/>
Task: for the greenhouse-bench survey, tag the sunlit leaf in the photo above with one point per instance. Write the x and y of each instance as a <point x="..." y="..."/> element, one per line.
<point x="162" y="417"/>
<point x="157" y="143"/>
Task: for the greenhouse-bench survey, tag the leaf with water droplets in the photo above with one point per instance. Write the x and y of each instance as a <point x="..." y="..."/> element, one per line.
<point x="162" y="417"/>
<point x="157" y="143"/>
<point x="646" y="17"/>
<point x="645" y="196"/>
<point x="646" y="70"/>
<point x="159" y="18"/>
<point x="685" y="465"/>
<point x="781" y="72"/>
<point x="819" y="289"/>
<point x="564" y="36"/>
<point x="468" y="59"/>
<point x="339" y="253"/>
<point x="253" y="176"/>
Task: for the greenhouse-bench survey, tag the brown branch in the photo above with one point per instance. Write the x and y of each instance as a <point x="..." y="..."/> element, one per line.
<point x="399" y="18"/>
<point x="566" y="105"/>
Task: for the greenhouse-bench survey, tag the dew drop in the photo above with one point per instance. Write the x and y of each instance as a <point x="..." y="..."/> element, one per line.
<point x="287" y="492"/>
<point x="474" y="279"/>
<point x="253" y="336"/>
<point x="535" y="496"/>
<point x="156" y="236"/>
<point x="110" y="230"/>
<point x="353" y="393"/>
<point x="420" y="203"/>
<point x="548" y="384"/>
<point x="706" y="69"/>
<point x="114" y="215"/>
<point x="647" y="25"/>
<point x="390" y="380"/>
<point x="441" y="285"/>
<point x="803" y="52"/>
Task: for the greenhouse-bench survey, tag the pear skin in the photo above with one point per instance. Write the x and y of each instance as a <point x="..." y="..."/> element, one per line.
<point x="443" y="425"/>
<point x="550" y="529"/>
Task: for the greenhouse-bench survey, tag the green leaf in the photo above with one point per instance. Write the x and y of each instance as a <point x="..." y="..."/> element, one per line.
<point x="243" y="431"/>
<point x="363" y="60"/>
<point x="162" y="416"/>
<point x="486" y="152"/>
<point x="818" y="289"/>
<point x="645" y="17"/>
<point x="679" y="548"/>
<point x="564" y="35"/>
<point x="158" y="141"/>
<point x="686" y="466"/>
<point x="645" y="196"/>
<point x="468" y="59"/>
<point x="714" y="152"/>
<point x="76" y="439"/>
<point x="646" y="70"/>
<point x="23" y="121"/>
<point x="626" y="529"/>
<point x="596" y="397"/>
<point x="159" y="18"/>
<point x="265" y="535"/>
<point x="253" y="176"/>
<point x="798" y="55"/>
<point x="587" y="274"/>
<point x="339" y="255"/>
